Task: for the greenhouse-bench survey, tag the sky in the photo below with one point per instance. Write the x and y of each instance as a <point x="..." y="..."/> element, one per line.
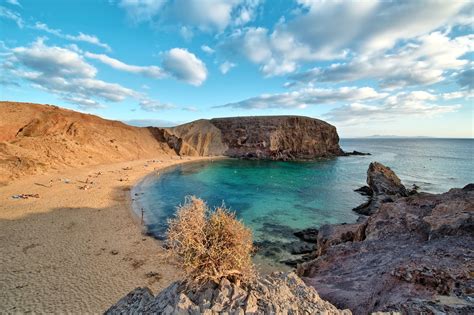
<point x="368" y="67"/>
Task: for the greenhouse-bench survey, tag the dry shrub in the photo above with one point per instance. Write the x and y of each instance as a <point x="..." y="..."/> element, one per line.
<point x="211" y="244"/>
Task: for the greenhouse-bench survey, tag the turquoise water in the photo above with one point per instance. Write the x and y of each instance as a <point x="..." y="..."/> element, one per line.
<point x="277" y="198"/>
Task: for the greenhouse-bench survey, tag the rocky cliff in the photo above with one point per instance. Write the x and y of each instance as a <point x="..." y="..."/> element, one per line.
<point x="263" y="137"/>
<point x="413" y="254"/>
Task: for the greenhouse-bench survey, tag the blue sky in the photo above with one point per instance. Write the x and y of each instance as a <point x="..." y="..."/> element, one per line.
<point x="368" y="67"/>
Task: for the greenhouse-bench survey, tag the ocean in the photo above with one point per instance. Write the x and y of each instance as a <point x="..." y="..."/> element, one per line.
<point x="277" y="198"/>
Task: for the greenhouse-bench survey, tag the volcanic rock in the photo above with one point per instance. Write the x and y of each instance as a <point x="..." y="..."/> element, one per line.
<point x="262" y="137"/>
<point x="413" y="255"/>
<point x="383" y="186"/>
<point x="308" y="235"/>
<point x="278" y="293"/>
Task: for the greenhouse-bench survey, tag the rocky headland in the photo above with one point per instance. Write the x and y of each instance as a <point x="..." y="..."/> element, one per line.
<point x="262" y="137"/>
<point x="413" y="252"/>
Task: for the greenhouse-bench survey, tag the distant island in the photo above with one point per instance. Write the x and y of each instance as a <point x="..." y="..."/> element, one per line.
<point x="389" y="137"/>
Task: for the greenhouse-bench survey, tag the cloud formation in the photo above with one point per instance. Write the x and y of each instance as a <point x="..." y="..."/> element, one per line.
<point x="141" y="10"/>
<point x="226" y="66"/>
<point x="12" y="15"/>
<point x="208" y="15"/>
<point x="148" y="71"/>
<point x="400" y="105"/>
<point x="184" y="66"/>
<point x="422" y="61"/>
<point x="91" y="39"/>
<point x="65" y="73"/>
<point x="331" y="30"/>
<point x="308" y="96"/>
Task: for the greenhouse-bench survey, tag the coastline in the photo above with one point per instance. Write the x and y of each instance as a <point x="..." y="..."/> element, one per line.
<point x="141" y="184"/>
<point x="78" y="250"/>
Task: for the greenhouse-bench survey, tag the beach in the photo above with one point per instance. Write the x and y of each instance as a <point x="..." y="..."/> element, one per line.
<point x="76" y="246"/>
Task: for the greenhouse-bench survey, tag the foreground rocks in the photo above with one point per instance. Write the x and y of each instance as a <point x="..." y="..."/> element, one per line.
<point x="413" y="254"/>
<point x="279" y="293"/>
<point x="263" y="137"/>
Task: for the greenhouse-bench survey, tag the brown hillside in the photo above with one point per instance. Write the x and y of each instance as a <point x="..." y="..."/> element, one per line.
<point x="35" y="138"/>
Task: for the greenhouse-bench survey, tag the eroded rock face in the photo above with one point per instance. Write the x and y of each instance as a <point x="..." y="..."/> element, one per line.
<point x="413" y="255"/>
<point x="279" y="293"/>
<point x="263" y="137"/>
<point x="383" y="186"/>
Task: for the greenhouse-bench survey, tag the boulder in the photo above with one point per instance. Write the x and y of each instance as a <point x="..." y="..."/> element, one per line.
<point x="278" y="293"/>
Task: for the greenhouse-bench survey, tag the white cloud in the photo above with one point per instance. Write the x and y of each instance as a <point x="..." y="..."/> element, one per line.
<point x="91" y="39"/>
<point x="226" y="66"/>
<point x="419" y="62"/>
<point x="53" y="61"/>
<point x="184" y="66"/>
<point x="177" y="63"/>
<point x="65" y="73"/>
<point x="206" y="15"/>
<point x="331" y="30"/>
<point x="308" y="96"/>
<point x="148" y="71"/>
<point x="190" y="109"/>
<point x="207" y="49"/>
<point x="186" y="33"/>
<point x="395" y="107"/>
<point x="154" y="106"/>
<point x="12" y="15"/>
<point x="464" y="94"/>
<point x="14" y="2"/>
<point x="141" y="10"/>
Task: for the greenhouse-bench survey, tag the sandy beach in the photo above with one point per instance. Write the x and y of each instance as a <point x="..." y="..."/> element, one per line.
<point x="78" y="247"/>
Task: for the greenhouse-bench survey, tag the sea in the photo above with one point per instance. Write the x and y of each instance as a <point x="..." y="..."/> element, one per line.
<point x="275" y="199"/>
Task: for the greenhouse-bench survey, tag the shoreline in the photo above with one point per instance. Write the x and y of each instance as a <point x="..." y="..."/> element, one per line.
<point x="138" y="186"/>
<point x="78" y="250"/>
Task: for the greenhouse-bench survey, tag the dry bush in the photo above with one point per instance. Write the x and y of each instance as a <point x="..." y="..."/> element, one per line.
<point x="211" y="244"/>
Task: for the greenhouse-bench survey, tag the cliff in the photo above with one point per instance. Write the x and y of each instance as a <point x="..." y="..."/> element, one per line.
<point x="262" y="137"/>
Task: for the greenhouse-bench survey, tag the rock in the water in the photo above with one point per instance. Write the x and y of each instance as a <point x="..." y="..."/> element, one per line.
<point x="278" y="293"/>
<point x="308" y="235"/>
<point x="356" y="153"/>
<point x="413" y="255"/>
<point x="262" y="137"/>
<point x="383" y="186"/>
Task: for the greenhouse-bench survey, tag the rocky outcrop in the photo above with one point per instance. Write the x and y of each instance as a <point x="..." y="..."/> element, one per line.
<point x="413" y="254"/>
<point x="263" y="137"/>
<point x="279" y="293"/>
<point x="383" y="186"/>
